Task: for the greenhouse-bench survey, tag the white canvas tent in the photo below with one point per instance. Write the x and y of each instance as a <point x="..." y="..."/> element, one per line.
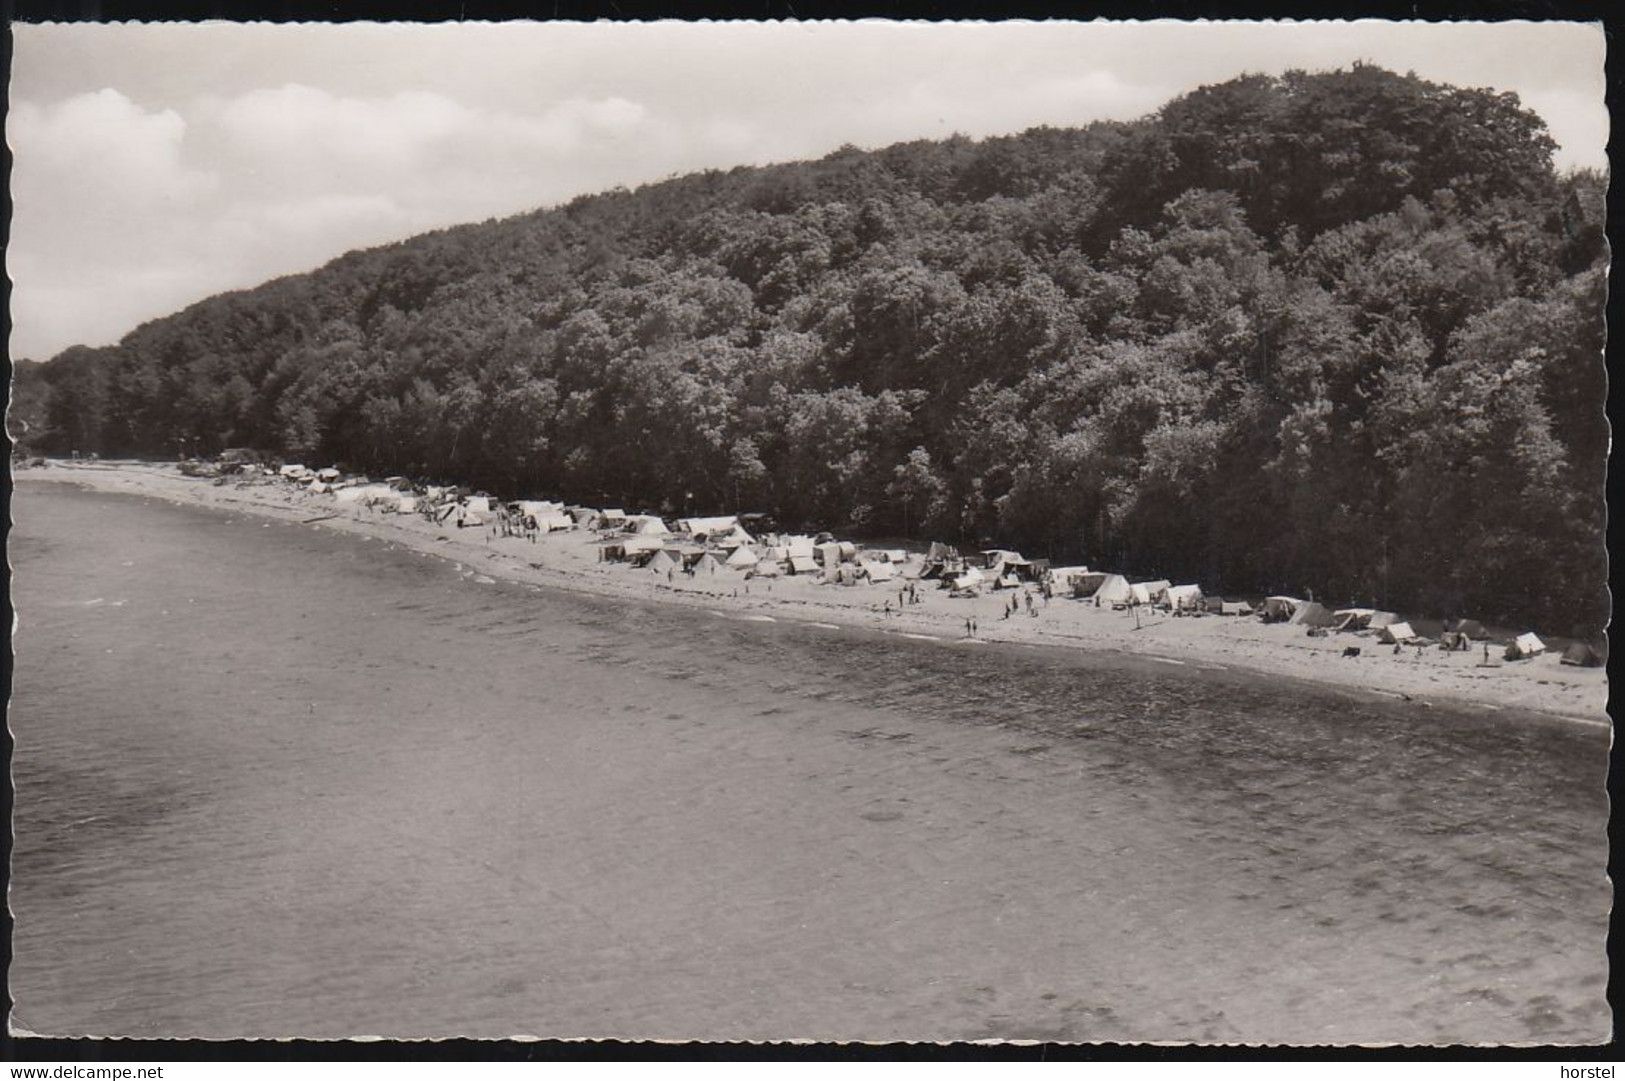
<point x="706" y="526"/>
<point x="646" y="525"/>
<point x="1146" y="592"/>
<point x="878" y="572"/>
<point x="828" y="554"/>
<point x="364" y="493"/>
<point x="1101" y="587"/>
<point x="1525" y="646"/>
<point x="1310" y="614"/>
<point x="1395" y="633"/>
<point x="663" y="561"/>
<point x="742" y="557"/>
<point x="1353" y="619"/>
<point x="1280" y="607"/>
<point x="970" y="578"/>
<point x="1185" y="597"/>
<point x="803" y="565"/>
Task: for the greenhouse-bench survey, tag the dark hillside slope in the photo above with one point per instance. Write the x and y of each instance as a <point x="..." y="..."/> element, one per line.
<point x="1336" y="331"/>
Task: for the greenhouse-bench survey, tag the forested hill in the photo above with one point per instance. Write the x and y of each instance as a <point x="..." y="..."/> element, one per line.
<point x="1336" y="331"/>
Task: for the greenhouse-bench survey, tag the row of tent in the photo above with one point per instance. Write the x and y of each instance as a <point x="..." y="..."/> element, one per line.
<point x="719" y="542"/>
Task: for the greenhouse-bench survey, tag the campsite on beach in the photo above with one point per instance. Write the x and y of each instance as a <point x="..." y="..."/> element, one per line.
<point x="931" y="590"/>
<point x="791" y="530"/>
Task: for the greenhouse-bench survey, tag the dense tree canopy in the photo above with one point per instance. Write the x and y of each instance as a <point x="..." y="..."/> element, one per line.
<point x="1335" y="331"/>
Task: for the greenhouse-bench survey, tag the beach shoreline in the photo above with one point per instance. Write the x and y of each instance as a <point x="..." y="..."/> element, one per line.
<point x="1242" y="645"/>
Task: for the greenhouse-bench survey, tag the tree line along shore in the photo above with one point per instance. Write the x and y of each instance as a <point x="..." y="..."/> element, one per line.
<point x="742" y="562"/>
<point x="1336" y="333"/>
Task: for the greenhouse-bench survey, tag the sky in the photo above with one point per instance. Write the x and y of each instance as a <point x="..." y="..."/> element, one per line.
<point x="155" y="165"/>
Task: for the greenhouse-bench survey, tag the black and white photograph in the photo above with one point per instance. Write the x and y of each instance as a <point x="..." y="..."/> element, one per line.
<point x="1060" y="532"/>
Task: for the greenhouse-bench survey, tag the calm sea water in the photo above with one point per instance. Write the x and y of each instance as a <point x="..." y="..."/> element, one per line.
<point x="273" y="780"/>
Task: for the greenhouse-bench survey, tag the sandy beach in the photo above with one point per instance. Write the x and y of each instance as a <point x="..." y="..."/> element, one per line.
<point x="569" y="560"/>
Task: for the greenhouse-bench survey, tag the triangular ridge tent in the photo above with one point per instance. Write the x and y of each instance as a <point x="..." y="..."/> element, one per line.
<point x="662" y="561"/>
<point x="1187" y="597"/>
<point x="1395" y="633"/>
<point x="742" y="557"/>
<point x="706" y="564"/>
<point x="803" y="565"/>
<point x="1582" y="655"/>
<point x="1525" y="646"/>
<point x="1110" y="589"/>
<point x="1311" y="614"/>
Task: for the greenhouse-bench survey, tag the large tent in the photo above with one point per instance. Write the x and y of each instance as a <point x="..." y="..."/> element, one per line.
<point x="661" y="561"/>
<point x="878" y="572"/>
<point x="1146" y="592"/>
<point x="1353" y="619"/>
<point x="1311" y="614"/>
<point x="705" y="527"/>
<point x="1102" y="588"/>
<point x="1184" y="597"/>
<point x="1583" y="655"/>
<point x="1280" y="607"/>
<point x="803" y="565"/>
<point x="1525" y="646"/>
<point x="1395" y="633"/>
<point x="646" y="525"/>
<point x="706" y="564"/>
<point x="828" y="554"/>
<point x="743" y="557"/>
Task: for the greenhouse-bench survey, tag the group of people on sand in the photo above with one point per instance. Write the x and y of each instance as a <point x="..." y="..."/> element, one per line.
<point x="1013" y="606"/>
<point x="908" y="594"/>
